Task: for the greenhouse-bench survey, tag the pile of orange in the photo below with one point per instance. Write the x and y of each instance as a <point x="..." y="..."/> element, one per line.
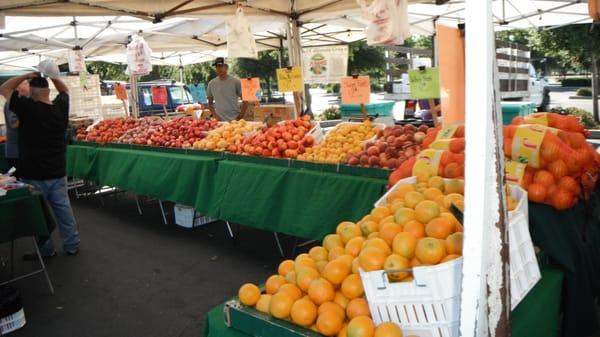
<point x="322" y="289"/>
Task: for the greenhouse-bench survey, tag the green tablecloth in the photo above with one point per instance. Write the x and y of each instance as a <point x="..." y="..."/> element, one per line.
<point x="572" y="240"/>
<point x="536" y="316"/>
<point x="298" y="202"/>
<point x="25" y="213"/>
<point x="304" y="202"/>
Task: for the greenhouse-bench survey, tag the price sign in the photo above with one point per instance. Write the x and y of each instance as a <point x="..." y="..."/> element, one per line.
<point x="290" y="79"/>
<point x="356" y="90"/>
<point x="159" y="95"/>
<point x="250" y="89"/>
<point x="424" y="83"/>
<point x="120" y="91"/>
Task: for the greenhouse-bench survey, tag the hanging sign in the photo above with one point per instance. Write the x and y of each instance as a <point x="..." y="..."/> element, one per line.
<point x="250" y="89"/>
<point x="159" y="95"/>
<point x="76" y="61"/>
<point x="324" y="64"/>
<point x="290" y="79"/>
<point x="356" y="90"/>
<point x="452" y="73"/>
<point x="424" y="83"/>
<point x="120" y="91"/>
<point x="594" y="9"/>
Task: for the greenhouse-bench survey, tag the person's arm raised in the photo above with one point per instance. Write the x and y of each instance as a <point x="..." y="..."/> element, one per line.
<point x="60" y="85"/>
<point x="7" y="88"/>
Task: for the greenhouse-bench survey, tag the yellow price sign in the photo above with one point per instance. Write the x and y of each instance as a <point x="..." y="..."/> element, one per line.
<point x="447" y="131"/>
<point x="440" y="144"/>
<point x="290" y="79"/>
<point x="428" y="161"/>
<point x="526" y="144"/>
<point x="514" y="172"/>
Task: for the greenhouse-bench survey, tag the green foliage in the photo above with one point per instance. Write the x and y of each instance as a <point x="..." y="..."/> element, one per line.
<point x="365" y="60"/>
<point x="419" y="41"/>
<point x="375" y="87"/>
<point x="108" y="71"/>
<point x="576" y="82"/>
<point x="264" y="67"/>
<point x="586" y="118"/>
<point x="332" y="88"/>
<point x="584" y="92"/>
<point x="331" y="113"/>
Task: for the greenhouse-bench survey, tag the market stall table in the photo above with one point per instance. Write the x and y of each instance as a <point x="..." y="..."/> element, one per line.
<point x="531" y="318"/>
<point x="3" y="164"/>
<point x="26" y="214"/>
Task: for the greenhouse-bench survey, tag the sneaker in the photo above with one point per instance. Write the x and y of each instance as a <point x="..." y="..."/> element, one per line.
<point x="72" y="252"/>
<point x="32" y="256"/>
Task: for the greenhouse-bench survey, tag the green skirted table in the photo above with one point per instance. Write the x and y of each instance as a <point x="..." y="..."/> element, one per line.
<point x="25" y="213"/>
<point x="536" y="316"/>
<point x="303" y="200"/>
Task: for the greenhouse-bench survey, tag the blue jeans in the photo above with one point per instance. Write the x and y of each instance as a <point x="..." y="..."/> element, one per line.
<point x="55" y="191"/>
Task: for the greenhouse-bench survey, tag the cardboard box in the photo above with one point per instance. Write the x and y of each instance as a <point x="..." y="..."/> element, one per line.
<point x="277" y="112"/>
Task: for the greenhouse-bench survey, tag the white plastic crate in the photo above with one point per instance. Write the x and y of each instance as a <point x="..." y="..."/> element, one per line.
<point x="372" y="139"/>
<point x="12" y="322"/>
<point x="427" y="306"/>
<point x="186" y="216"/>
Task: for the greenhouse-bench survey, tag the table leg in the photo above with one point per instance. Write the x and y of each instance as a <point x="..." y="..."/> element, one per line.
<point x="162" y="211"/>
<point x="229" y="229"/>
<point x="278" y="244"/>
<point x="37" y="251"/>
<point x="137" y="202"/>
<point x="12" y="258"/>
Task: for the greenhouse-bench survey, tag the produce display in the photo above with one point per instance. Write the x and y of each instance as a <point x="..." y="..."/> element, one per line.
<point x="393" y="146"/>
<point x="287" y="139"/>
<point x="179" y="132"/>
<point x="227" y="137"/>
<point x="323" y="291"/>
<point x="344" y="139"/>
<point x="109" y="130"/>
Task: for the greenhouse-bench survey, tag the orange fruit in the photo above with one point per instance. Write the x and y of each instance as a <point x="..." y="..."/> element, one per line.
<point x="347" y="259"/>
<point x="387" y="219"/>
<point x="369" y="227"/>
<point x="303" y="312"/>
<point x="249" y="294"/>
<point x="415" y="262"/>
<point x="396" y="205"/>
<point x="431" y="193"/>
<point x="454" y="243"/>
<point x="304" y="261"/>
<point x="454" y="186"/>
<point x="388" y="231"/>
<point x="440" y="201"/>
<point x="285" y="267"/>
<point x="329" y="323"/>
<point x="355" y="265"/>
<point x="353" y="246"/>
<point x="373" y="235"/>
<point x="341" y="226"/>
<point x="321" y="291"/>
<point x="378" y="243"/>
<point x="292" y="290"/>
<point x="378" y="213"/>
<point x="352" y="287"/>
<point x="371" y="259"/>
<point x="335" y="272"/>
<point x="426" y="210"/>
<point x="349" y="232"/>
<point x="281" y="305"/>
<point x="404" y="244"/>
<point x="361" y="326"/>
<point x="273" y="283"/>
<point x="543" y="178"/>
<point x="404" y="215"/>
<point x="450" y="258"/>
<point x="430" y="250"/>
<point x="395" y="262"/>
<point x="291" y="277"/>
<point x="321" y="265"/>
<point x="332" y="306"/>
<point x="436" y="182"/>
<point x="453" y="220"/>
<point x="439" y="228"/>
<point x="332" y="240"/>
<point x="341" y="300"/>
<point x="409" y="278"/>
<point x="401" y="190"/>
<point x="343" y="332"/>
<point x="411" y="199"/>
<point x="388" y="329"/>
<point x="318" y="253"/>
<point x="335" y="252"/>
<point x="357" y="307"/>
<point x="415" y="228"/>
<point x="263" y="303"/>
<point x="304" y="277"/>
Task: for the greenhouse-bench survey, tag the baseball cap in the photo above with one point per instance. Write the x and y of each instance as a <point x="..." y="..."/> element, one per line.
<point x="38" y="82"/>
<point x="219" y="61"/>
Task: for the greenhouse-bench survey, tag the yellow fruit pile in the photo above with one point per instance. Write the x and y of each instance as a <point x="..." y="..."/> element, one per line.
<point x="322" y="290"/>
<point x="228" y="134"/>
<point x="344" y="139"/>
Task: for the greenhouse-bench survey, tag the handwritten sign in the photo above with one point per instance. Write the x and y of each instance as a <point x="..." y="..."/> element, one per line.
<point x="290" y="79"/>
<point x="424" y="83"/>
<point x="159" y="95"/>
<point x="120" y="91"/>
<point x="250" y="89"/>
<point x="356" y="90"/>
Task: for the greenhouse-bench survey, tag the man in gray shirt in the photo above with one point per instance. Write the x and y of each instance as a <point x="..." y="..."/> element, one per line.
<point x="223" y="93"/>
<point x="11" y="151"/>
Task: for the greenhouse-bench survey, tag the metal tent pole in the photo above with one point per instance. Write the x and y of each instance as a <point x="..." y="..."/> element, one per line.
<point x="135" y="111"/>
<point x="485" y="299"/>
<point x="295" y="54"/>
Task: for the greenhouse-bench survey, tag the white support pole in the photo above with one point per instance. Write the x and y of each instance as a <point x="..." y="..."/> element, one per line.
<point x="135" y="111"/>
<point x="295" y="56"/>
<point x="485" y="302"/>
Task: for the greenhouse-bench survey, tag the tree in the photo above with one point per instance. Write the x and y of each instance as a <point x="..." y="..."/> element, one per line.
<point x="365" y="60"/>
<point x="107" y="71"/>
<point x="264" y="67"/>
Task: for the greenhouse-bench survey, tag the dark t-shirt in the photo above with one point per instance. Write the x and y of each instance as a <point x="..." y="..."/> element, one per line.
<point x="42" y="144"/>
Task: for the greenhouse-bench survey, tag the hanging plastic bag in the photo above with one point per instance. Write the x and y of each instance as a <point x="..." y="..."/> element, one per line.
<point x="240" y="41"/>
<point x="388" y="21"/>
<point x="139" y="56"/>
<point x="76" y="61"/>
<point x="49" y="68"/>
